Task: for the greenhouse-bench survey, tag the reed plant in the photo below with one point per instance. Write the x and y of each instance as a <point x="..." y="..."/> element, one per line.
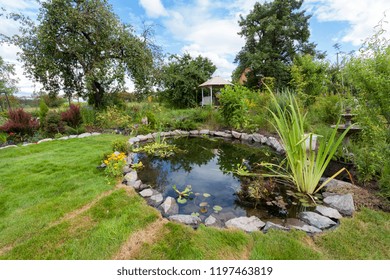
<point x="303" y="166"/>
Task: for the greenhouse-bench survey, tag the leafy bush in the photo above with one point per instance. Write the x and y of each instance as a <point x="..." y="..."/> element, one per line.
<point x="235" y="105"/>
<point x="121" y="146"/>
<point x="326" y="109"/>
<point x="53" y="123"/>
<point x="113" y="117"/>
<point x="20" y="122"/>
<point x="3" y="137"/>
<point x="72" y="116"/>
<point x="43" y="109"/>
<point x="88" y="115"/>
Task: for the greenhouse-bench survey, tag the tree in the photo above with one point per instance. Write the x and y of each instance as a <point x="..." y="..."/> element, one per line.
<point x="80" y="46"/>
<point x="275" y="33"/>
<point x="181" y="78"/>
<point x="309" y="77"/>
<point x="7" y="83"/>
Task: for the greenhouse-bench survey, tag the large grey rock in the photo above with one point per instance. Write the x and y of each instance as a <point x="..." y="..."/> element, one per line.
<point x="308" y="229"/>
<point x="147" y="192"/>
<point x="316" y="220"/>
<point x="143" y="186"/>
<point x="247" y="224"/>
<point x="83" y="135"/>
<point x="45" y="140"/>
<point x="204" y="132"/>
<point x="127" y="169"/>
<point x="185" y="219"/>
<point x="95" y="133"/>
<point x="223" y="134"/>
<point x="194" y="132"/>
<point x="270" y="225"/>
<point x="156" y="199"/>
<point x="169" y="207"/>
<point x="328" y="212"/>
<point x="135" y="184"/>
<point x="142" y="137"/>
<point x="134" y="140"/>
<point x="247" y="137"/>
<point x="236" y="135"/>
<point x="334" y="185"/>
<point x="165" y="134"/>
<point x="64" y="138"/>
<point x="212" y="221"/>
<point x="72" y="136"/>
<point x="259" y="138"/>
<point x="131" y="177"/>
<point x="343" y="203"/>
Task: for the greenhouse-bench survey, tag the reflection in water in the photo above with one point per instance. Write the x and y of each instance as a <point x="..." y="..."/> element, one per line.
<point x="206" y="166"/>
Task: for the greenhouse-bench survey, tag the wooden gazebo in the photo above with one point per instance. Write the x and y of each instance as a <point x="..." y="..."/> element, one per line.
<point x="213" y="83"/>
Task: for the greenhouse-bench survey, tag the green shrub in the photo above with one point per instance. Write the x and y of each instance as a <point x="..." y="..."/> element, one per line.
<point x="3" y="137"/>
<point x="121" y="146"/>
<point x="326" y="109"/>
<point x="88" y="115"/>
<point x="235" y="103"/>
<point x="43" y="109"/>
<point x="113" y="117"/>
<point x="53" y="123"/>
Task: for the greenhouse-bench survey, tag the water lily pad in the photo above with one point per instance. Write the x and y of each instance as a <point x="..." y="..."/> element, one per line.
<point x="203" y="204"/>
<point x="181" y="200"/>
<point x="195" y="214"/>
<point x="206" y="195"/>
<point x="197" y="194"/>
<point x="217" y="208"/>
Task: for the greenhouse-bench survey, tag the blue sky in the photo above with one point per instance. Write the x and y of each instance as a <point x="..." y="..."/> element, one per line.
<point x="209" y="27"/>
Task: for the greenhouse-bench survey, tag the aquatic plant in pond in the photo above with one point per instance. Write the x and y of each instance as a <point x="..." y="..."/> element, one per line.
<point x="183" y="195"/>
<point x="304" y="166"/>
<point x="159" y="148"/>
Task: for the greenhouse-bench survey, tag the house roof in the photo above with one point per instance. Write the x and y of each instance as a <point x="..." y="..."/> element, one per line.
<point x="216" y="81"/>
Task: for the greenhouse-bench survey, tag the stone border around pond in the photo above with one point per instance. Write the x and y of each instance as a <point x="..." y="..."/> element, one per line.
<point x="83" y="135"/>
<point x="323" y="218"/>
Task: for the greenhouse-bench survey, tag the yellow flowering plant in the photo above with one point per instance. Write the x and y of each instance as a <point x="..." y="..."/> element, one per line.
<point x="114" y="164"/>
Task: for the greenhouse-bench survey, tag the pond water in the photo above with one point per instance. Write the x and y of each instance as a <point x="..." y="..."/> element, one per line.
<point x="207" y="167"/>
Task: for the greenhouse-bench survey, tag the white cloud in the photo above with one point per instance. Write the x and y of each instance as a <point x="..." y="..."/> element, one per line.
<point x="153" y="8"/>
<point x="209" y="28"/>
<point x="361" y="15"/>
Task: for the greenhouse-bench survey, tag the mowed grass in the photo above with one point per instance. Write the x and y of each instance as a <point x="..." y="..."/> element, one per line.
<point x="41" y="183"/>
<point x="44" y="189"/>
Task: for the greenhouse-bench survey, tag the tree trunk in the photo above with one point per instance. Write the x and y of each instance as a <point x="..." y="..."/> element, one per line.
<point x="97" y="94"/>
<point x="8" y="103"/>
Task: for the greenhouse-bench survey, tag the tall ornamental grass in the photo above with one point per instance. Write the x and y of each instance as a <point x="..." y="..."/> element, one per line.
<point x="304" y="167"/>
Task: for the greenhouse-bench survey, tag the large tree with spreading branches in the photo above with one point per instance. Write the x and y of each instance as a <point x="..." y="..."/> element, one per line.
<point x="80" y="46"/>
<point x="275" y="33"/>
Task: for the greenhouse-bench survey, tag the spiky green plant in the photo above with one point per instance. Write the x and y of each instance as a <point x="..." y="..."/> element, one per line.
<point x="304" y="167"/>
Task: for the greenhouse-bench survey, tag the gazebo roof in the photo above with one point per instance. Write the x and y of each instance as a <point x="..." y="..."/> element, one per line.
<point x="216" y="81"/>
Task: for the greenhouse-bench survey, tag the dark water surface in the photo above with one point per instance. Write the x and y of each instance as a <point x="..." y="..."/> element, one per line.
<point x="206" y="166"/>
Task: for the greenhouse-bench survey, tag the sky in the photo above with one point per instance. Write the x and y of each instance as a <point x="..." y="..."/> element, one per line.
<point x="209" y="27"/>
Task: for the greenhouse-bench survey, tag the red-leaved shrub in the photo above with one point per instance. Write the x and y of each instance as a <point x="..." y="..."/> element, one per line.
<point x="20" y="122"/>
<point x="72" y="117"/>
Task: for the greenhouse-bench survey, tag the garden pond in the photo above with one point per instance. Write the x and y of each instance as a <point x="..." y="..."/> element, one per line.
<point x="204" y="179"/>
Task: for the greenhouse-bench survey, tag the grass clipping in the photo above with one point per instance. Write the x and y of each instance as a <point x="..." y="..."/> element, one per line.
<point x="304" y="166"/>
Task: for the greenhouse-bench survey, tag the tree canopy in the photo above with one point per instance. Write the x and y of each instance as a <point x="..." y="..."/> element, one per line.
<point x="7" y="82"/>
<point x="181" y="78"/>
<point x="275" y="32"/>
<point x="80" y="46"/>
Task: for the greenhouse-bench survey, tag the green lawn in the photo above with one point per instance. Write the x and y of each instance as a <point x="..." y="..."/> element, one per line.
<point x="55" y="204"/>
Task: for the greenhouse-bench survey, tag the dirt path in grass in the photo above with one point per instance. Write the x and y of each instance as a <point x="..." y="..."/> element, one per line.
<point x="131" y="248"/>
